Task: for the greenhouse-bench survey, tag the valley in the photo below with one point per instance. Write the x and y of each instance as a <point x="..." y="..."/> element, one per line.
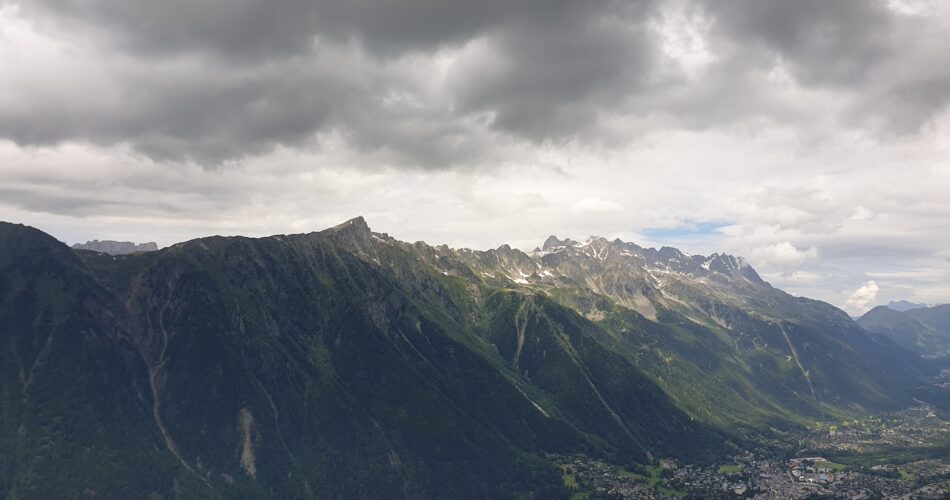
<point x="892" y="455"/>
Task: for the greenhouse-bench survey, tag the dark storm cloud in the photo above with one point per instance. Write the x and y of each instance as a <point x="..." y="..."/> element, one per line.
<point x="269" y="82"/>
<point x="909" y="105"/>
<point x="888" y="62"/>
<point x="552" y="79"/>
<point x="264" y="28"/>
<point x="200" y="109"/>
<point x="393" y="27"/>
<point x="187" y="115"/>
<point x="262" y="74"/>
<point x="255" y="28"/>
<point x="233" y="27"/>
<point x="824" y="42"/>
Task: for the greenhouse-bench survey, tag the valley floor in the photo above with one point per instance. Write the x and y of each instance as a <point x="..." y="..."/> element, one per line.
<point x="904" y="454"/>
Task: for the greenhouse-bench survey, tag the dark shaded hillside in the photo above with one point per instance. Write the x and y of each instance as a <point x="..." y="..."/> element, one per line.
<point x="295" y="367"/>
<point x="74" y="418"/>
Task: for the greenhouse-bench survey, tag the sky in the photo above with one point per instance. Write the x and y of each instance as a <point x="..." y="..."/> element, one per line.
<point x="810" y="137"/>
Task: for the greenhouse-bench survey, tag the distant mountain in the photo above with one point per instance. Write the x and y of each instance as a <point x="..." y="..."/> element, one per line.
<point x="904" y="306"/>
<point x="905" y="330"/>
<point x="925" y="330"/>
<point x="936" y="317"/>
<point x="347" y="364"/>
<point x="116" y="247"/>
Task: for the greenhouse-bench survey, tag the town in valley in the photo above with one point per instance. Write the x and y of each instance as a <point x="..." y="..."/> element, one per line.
<point x="895" y="455"/>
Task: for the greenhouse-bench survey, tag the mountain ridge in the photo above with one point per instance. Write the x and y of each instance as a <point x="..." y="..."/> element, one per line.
<point x="345" y="363"/>
<point x="598" y="272"/>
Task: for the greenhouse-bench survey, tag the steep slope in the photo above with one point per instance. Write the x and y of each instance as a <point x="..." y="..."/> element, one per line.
<point x="723" y="343"/>
<point x="326" y="365"/>
<point x="74" y="418"/>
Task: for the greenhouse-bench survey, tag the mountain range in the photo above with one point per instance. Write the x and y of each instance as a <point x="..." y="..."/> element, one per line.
<point x="347" y="364"/>
<point x="116" y="247"/>
<point x="925" y="330"/>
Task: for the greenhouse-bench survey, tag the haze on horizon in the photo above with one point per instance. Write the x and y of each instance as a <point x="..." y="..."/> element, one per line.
<point x="809" y="137"/>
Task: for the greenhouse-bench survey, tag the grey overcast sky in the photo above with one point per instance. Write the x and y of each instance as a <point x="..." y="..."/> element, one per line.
<point x="810" y="136"/>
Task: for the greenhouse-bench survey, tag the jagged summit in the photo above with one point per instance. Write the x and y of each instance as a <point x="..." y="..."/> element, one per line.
<point x="354" y="233"/>
<point x="666" y="257"/>
<point x="645" y="280"/>
<point x="639" y="277"/>
<point x="722" y="262"/>
<point x="553" y="243"/>
<point x="357" y="223"/>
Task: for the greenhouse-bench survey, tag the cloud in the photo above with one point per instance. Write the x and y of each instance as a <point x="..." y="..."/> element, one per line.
<point x="822" y="42"/>
<point x="816" y="130"/>
<point x="783" y="253"/>
<point x="444" y="84"/>
<point x="594" y="204"/>
<point x="211" y="83"/>
<point x="212" y="111"/>
<point x="862" y="299"/>
<point x="804" y="277"/>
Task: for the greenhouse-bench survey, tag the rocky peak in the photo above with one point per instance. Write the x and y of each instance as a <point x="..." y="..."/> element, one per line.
<point x="670" y="253"/>
<point x="354" y="233"/>
<point x="356" y="224"/>
<point x="553" y="243"/>
<point x="729" y="265"/>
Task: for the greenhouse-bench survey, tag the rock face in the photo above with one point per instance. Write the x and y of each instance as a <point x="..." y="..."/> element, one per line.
<point x="347" y="364"/>
<point x="116" y="247"/>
